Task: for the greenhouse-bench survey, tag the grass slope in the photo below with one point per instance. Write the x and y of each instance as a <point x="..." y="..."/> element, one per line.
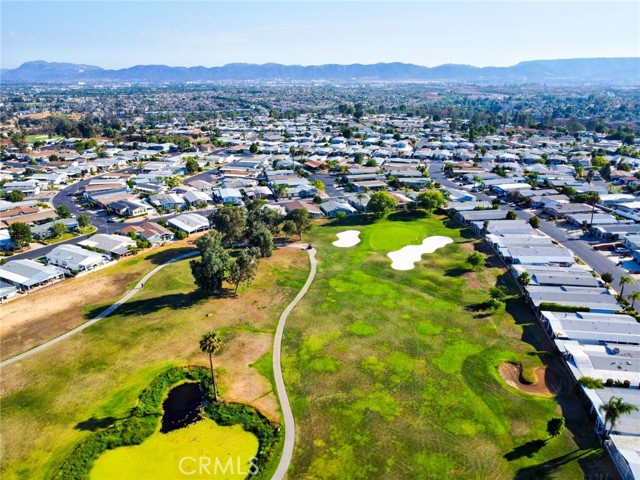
<point x="53" y="400"/>
<point x="394" y="374"/>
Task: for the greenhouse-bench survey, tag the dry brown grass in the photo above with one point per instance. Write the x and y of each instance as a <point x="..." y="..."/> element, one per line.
<point x="51" y="311"/>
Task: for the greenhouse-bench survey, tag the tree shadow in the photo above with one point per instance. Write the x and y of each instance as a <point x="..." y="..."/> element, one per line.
<point x="147" y="306"/>
<point x="528" y="449"/>
<point x="456" y="272"/>
<point x="465" y="232"/>
<point x="407" y="216"/>
<point x="478" y="307"/>
<point x="164" y="256"/>
<point x="352" y="221"/>
<point x="94" y="424"/>
<point x="549" y="468"/>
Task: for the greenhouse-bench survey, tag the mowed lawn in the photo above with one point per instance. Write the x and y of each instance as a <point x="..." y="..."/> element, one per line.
<point x="59" y="396"/>
<point x="393" y="374"/>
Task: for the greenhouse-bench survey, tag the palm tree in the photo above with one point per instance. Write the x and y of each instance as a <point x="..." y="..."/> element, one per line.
<point x="613" y="409"/>
<point x="360" y="196"/>
<point x="594" y="198"/>
<point x="319" y="185"/>
<point x="634" y="296"/>
<point x="624" y="280"/>
<point x="281" y="190"/>
<point x="211" y="343"/>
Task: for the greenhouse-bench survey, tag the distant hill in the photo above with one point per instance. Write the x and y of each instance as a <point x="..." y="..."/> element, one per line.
<point x="586" y="70"/>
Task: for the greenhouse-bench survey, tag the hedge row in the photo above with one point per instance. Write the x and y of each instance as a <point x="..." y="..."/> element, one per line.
<point x="147" y="414"/>
<point x="556" y="307"/>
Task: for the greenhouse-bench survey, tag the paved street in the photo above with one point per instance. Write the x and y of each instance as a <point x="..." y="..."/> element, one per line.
<point x="577" y="245"/>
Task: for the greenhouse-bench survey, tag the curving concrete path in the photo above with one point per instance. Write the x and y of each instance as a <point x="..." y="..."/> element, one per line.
<point x="289" y="425"/>
<point x="105" y="313"/>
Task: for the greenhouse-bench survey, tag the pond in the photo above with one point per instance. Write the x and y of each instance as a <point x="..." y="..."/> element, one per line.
<point x="181" y="407"/>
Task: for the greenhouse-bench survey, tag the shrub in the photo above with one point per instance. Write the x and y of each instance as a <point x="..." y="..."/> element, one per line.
<point x="528" y="376"/>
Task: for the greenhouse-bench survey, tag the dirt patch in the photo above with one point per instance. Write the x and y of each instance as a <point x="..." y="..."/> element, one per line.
<point x="547" y="383"/>
<point x="241" y="382"/>
<point x="473" y="282"/>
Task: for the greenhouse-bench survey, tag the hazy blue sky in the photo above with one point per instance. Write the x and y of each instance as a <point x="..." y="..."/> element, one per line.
<point x="209" y="33"/>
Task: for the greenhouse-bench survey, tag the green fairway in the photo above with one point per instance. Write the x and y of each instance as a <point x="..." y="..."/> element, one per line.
<point x="178" y="454"/>
<point x="393" y="374"/>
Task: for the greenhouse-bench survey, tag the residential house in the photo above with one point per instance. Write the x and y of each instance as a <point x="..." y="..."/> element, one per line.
<point x="190" y="223"/>
<point x="27" y="274"/>
<point x="115" y="245"/>
<point x="75" y="258"/>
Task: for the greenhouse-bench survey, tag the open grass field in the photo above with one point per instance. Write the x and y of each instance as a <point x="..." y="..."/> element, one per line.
<point x="159" y="456"/>
<point x="54" y="399"/>
<point x="33" y="319"/>
<point x="394" y="374"/>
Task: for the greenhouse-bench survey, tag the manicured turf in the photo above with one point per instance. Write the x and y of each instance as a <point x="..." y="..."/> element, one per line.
<point x="159" y="456"/>
<point x="393" y="374"/>
<point x="56" y="398"/>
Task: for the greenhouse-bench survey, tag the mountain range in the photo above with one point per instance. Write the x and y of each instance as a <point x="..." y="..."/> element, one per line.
<point x="578" y="71"/>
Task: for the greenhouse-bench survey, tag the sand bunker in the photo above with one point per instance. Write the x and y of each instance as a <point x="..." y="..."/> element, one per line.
<point x="347" y="238"/>
<point x="406" y="257"/>
<point x="547" y="383"/>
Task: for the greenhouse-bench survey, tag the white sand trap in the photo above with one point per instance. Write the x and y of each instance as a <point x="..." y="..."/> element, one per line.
<point x="406" y="257"/>
<point x="348" y="238"/>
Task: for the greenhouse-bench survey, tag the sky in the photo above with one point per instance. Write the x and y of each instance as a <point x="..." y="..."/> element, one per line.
<point x="312" y="32"/>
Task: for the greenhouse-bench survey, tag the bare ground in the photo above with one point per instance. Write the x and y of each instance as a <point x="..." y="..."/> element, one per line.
<point x="547" y="383"/>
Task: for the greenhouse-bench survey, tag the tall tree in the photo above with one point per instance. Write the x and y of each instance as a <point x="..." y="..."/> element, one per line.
<point x="15" y="196"/>
<point x="524" y="279"/>
<point x="299" y="218"/>
<point x="209" y="271"/>
<point x="624" y="280"/>
<point x="192" y="165"/>
<point x="319" y="185"/>
<point x="262" y="239"/>
<point x="431" y="200"/>
<point x="63" y="211"/>
<point x="20" y="234"/>
<point x="58" y="229"/>
<point x="244" y="269"/>
<point x="592" y="199"/>
<point x="83" y="220"/>
<point x="210" y="343"/>
<point x="231" y="222"/>
<point x="613" y="410"/>
<point x="381" y="204"/>
<point x="280" y="190"/>
<point x="634" y="296"/>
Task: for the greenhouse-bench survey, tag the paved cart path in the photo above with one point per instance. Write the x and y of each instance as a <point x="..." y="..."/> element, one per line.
<point x="289" y="425"/>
